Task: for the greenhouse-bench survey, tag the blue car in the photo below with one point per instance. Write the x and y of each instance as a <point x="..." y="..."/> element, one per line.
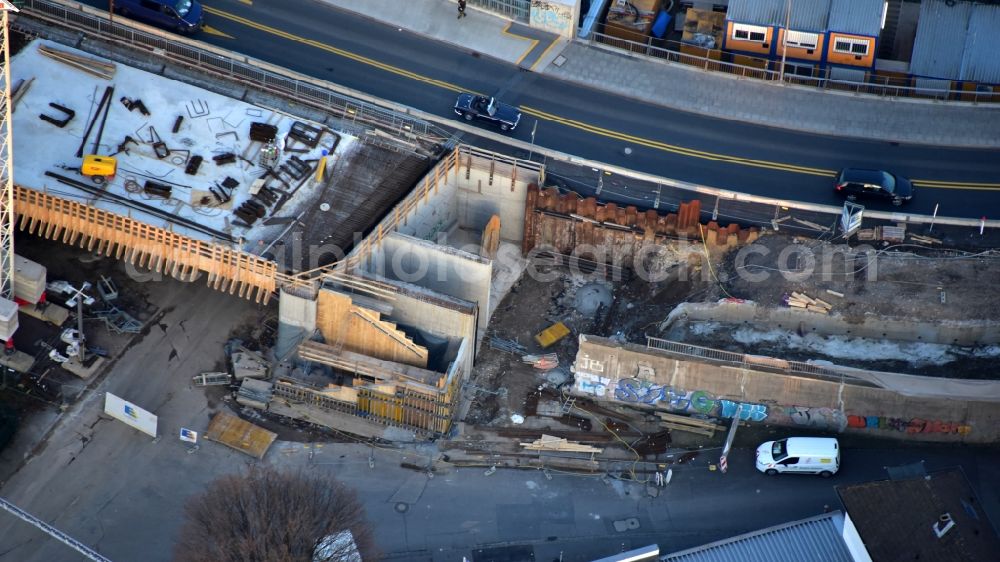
<point x="182" y="16"/>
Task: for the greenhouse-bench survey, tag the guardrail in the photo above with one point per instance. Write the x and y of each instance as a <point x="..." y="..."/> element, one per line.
<point x="710" y="61"/>
<point x="519" y="10"/>
<point x="348" y="105"/>
<point x="745" y="361"/>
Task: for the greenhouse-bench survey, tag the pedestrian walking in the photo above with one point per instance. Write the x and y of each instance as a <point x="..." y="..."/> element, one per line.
<point x="461" y="9"/>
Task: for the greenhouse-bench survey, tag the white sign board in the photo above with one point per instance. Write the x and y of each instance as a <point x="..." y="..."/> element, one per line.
<point x="130" y="414"/>
<point x="188" y="435"/>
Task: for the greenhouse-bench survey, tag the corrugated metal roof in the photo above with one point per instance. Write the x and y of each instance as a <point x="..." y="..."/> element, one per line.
<point x="940" y="41"/>
<point x="808" y="15"/>
<point x="817" y="539"/>
<point x="757" y="12"/>
<point x="859" y="17"/>
<point x="981" y="63"/>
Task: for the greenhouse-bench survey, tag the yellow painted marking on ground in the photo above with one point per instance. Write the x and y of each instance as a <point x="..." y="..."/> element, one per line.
<point x="657" y="145"/>
<point x="678" y="149"/>
<point x="334" y="50"/>
<point x="212" y="31"/>
<point x="545" y="52"/>
<point x="934" y="184"/>
<point x="247" y="2"/>
<point x="534" y="42"/>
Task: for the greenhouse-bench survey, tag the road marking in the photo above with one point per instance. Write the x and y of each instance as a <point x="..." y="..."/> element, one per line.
<point x="539" y="114"/>
<point x="545" y="52"/>
<point x="534" y="42"/>
<point x="330" y="49"/>
<point x="212" y="31"/>
<point x="936" y="184"/>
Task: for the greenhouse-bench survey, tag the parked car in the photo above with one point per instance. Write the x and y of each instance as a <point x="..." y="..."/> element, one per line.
<point x="799" y="455"/>
<point x="182" y="16"/>
<point x="876" y="184"/>
<point x="471" y="107"/>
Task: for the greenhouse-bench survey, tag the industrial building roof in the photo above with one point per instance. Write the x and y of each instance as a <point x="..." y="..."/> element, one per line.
<point x="940" y="40"/>
<point x="896" y="519"/>
<point x="957" y="42"/>
<point x="759" y="12"/>
<point x="809" y="15"/>
<point x="817" y="539"/>
<point x="857" y="17"/>
<point x="980" y="62"/>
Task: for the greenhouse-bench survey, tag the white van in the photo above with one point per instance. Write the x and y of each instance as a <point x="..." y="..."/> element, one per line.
<point x="800" y="455"/>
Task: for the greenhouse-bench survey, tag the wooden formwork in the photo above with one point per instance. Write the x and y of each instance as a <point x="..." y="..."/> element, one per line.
<point x="151" y="247"/>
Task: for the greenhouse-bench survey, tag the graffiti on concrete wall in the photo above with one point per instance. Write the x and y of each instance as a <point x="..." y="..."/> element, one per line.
<point x="908" y="425"/>
<point x="638" y="391"/>
<point x="594" y="385"/>
<point x="552" y="16"/>
<point x="817" y="418"/>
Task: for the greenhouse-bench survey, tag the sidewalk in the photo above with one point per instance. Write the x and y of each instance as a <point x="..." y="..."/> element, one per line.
<point x="690" y="89"/>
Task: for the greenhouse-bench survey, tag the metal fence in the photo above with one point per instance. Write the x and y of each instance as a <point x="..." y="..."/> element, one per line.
<point x="519" y="10"/>
<point x="743" y="360"/>
<point x="711" y="59"/>
<point x="304" y="90"/>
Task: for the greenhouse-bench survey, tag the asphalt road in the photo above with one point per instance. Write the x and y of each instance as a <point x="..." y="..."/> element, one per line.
<point x="342" y="47"/>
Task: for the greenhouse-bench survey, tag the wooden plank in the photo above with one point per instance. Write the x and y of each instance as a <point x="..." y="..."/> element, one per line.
<point x="241" y="435"/>
<point x="834" y="293"/>
<point x="824" y="304"/>
<point x="688" y="428"/>
<point x="676" y="418"/>
<point x="819" y="309"/>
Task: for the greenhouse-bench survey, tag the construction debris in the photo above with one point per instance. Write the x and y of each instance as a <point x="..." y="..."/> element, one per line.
<point x="509" y="346"/>
<point x="247" y="364"/>
<point x="213" y="378"/>
<point x="542" y="362"/>
<point x="240" y="435"/>
<point x="552" y="443"/>
<point x="69" y="113"/>
<point x="804" y="301"/>
<point x="689" y="424"/>
<point x="924" y="239"/>
<point x="255" y="393"/>
<point x="101" y="69"/>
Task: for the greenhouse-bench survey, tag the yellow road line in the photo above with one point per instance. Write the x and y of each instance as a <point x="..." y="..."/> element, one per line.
<point x="334" y="50"/>
<point x="534" y="42"/>
<point x="933" y="184"/>
<point x="545" y="52"/>
<point x="658" y="145"/>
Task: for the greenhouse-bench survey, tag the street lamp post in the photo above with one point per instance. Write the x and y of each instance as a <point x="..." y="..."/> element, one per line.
<point x="533" y="129"/>
<point x="80" y="299"/>
<point x="784" y="41"/>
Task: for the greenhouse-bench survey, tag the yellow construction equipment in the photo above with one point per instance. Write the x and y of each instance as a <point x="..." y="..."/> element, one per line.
<point x="100" y="169"/>
<point x="552" y="334"/>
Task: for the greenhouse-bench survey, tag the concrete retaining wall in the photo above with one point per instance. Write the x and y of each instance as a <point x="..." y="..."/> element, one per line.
<point x="441" y="269"/>
<point x="501" y="193"/>
<point x="947" y="332"/>
<point x="633" y="374"/>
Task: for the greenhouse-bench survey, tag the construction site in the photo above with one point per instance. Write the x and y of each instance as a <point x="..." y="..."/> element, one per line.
<point x="261" y="274"/>
<point x="411" y="300"/>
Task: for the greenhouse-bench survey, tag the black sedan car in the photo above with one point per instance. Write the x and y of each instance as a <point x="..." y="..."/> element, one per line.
<point x="853" y="183"/>
<point x="471" y="107"/>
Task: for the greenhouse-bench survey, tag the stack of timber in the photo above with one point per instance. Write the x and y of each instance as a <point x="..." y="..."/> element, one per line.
<point x="691" y="425"/>
<point x="552" y="443"/>
<point x="101" y="69"/>
<point x="805" y="302"/>
<point x="924" y="239"/>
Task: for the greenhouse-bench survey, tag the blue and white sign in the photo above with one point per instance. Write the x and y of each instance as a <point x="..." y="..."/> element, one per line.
<point x="130" y="414"/>
<point x="188" y="435"/>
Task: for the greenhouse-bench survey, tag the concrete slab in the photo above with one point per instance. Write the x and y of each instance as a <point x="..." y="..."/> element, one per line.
<point x="49" y="312"/>
<point x="83" y="370"/>
<point x="19" y="361"/>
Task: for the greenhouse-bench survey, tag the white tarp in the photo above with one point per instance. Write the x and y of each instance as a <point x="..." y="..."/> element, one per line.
<point x="130" y="414"/>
